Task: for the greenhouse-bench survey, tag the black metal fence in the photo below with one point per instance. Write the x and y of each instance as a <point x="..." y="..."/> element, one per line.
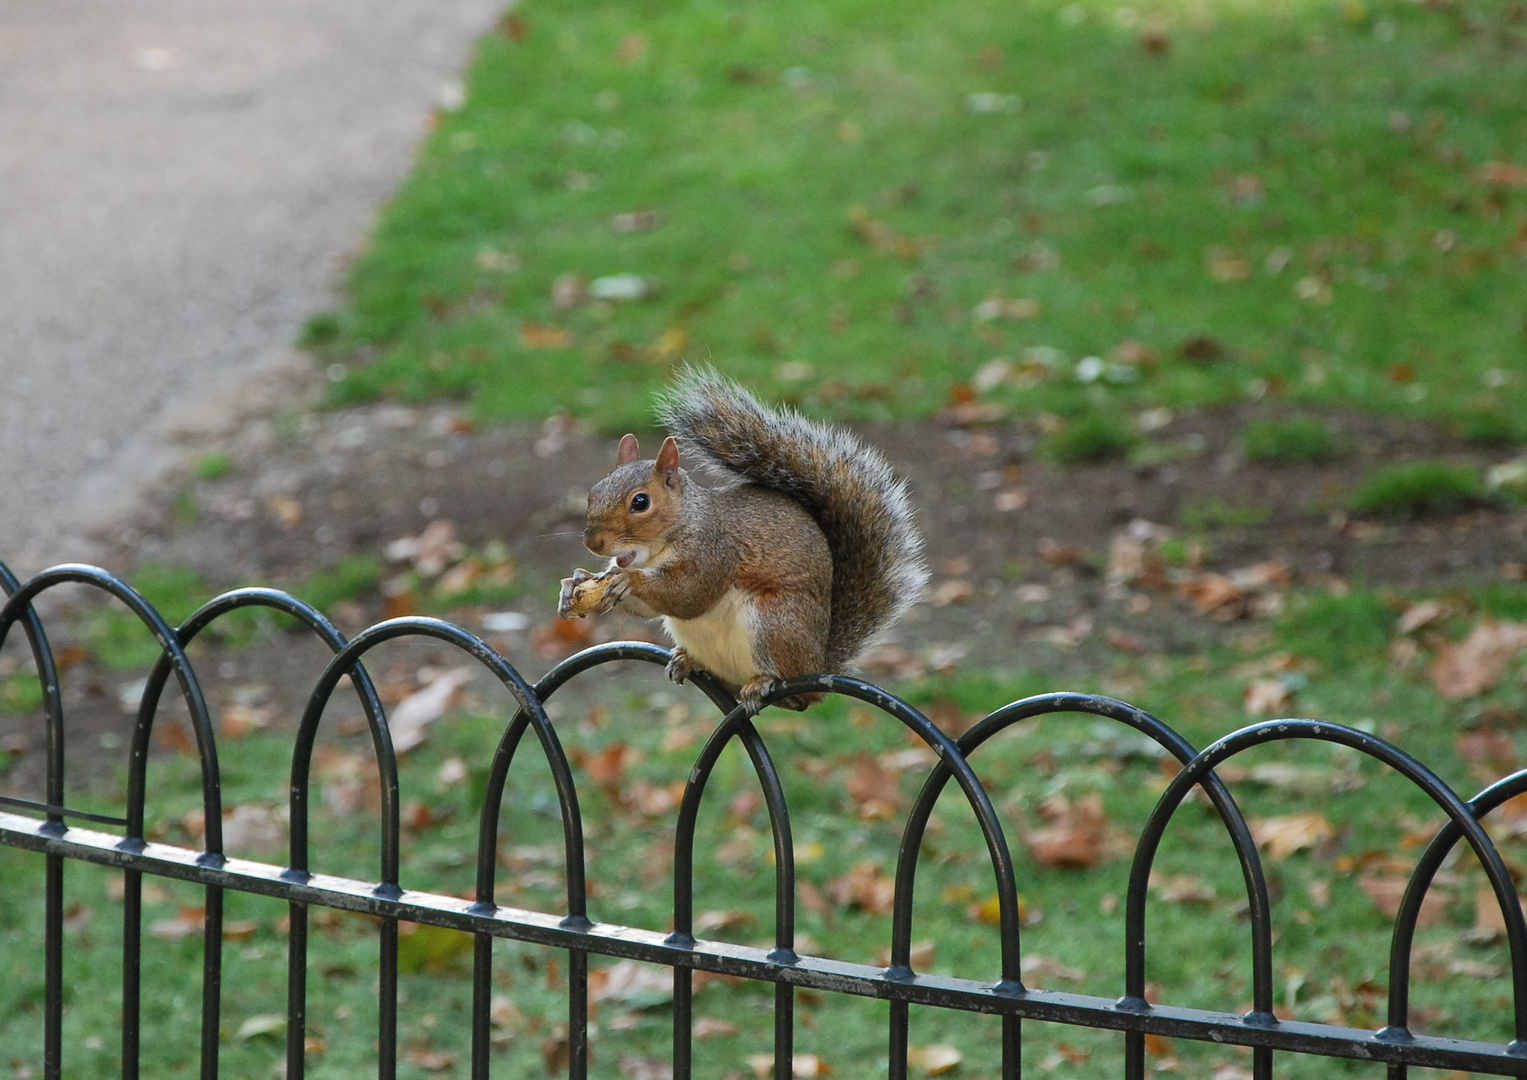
<point x="46" y="827"/>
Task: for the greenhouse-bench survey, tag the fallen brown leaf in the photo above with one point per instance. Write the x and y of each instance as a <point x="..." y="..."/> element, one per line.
<point x="1479" y="661"/>
<point x="504" y="1013"/>
<point x="1491" y="753"/>
<point x="285" y="509"/>
<point x="937" y="1060"/>
<point x="653" y="800"/>
<point x="875" y="792"/>
<point x="641" y="1068"/>
<point x="1126" y="642"/>
<point x="238" y="721"/>
<point x="1134" y="556"/>
<point x="422" y="708"/>
<point x="1267" y="697"/>
<point x="1058" y="554"/>
<point x="1075" y="833"/>
<point x="1181" y="888"/>
<point x="1489" y="921"/>
<point x="635" y="221"/>
<point x="998" y="307"/>
<point x="708" y="922"/>
<point x="430" y="1059"/>
<point x="1386" y="893"/>
<point x="432" y="551"/>
<point x="1226" y="264"/>
<point x="560" y="638"/>
<point x="543" y="336"/>
<point x="608" y="765"/>
<point x="920" y="956"/>
<point x="1215" y="595"/>
<point x="1503" y="173"/>
<point x="894" y="661"/>
<point x="710" y="1027"/>
<point x="188" y="920"/>
<point x="638" y="984"/>
<point x="864" y="887"/>
<point x="882" y="237"/>
<point x="1282" y="836"/>
<point x="951" y="591"/>
<point x="1158" y="1046"/>
<point x="632" y="47"/>
<point x="174" y="736"/>
<point x="1035" y="966"/>
<point x="1418" y="615"/>
<point x="556" y="1052"/>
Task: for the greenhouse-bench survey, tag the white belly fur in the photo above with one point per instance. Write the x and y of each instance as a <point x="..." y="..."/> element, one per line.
<point x="720" y="641"/>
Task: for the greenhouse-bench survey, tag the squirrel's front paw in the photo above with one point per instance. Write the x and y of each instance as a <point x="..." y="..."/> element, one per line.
<point x="591" y="594"/>
<point x="752" y="692"/>
<point x="680" y="665"/>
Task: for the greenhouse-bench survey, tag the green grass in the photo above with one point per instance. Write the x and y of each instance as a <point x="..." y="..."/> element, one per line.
<point x="1290" y="202"/>
<point x="20" y="693"/>
<point x="213" y="466"/>
<point x="1490" y="427"/>
<point x="347" y="579"/>
<point x="1091" y="437"/>
<point x="1417" y="489"/>
<point x="1207" y="515"/>
<point x="1296" y="440"/>
<point x="117" y="637"/>
<point x="1339" y="631"/>
<point x="119" y="640"/>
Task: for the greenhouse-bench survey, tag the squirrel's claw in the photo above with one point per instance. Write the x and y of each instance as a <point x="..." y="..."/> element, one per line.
<point x="617" y="590"/>
<point x="680" y="665"/>
<point x="752" y="692"/>
<point x="579" y="597"/>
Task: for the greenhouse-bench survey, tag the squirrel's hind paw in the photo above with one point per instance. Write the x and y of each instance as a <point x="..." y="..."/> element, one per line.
<point x="680" y="665"/>
<point x="752" y="692"/>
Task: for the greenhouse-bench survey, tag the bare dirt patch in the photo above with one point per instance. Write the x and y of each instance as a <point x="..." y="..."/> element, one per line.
<point x="996" y="514"/>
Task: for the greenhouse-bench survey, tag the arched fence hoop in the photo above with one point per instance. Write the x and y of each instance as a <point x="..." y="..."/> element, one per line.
<point x="60" y="833"/>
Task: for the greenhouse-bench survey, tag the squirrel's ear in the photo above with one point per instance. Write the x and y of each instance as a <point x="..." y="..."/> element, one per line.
<point x="668" y="460"/>
<point x="628" y="451"/>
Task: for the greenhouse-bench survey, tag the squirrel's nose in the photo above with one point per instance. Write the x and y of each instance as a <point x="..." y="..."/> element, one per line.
<point x="593" y="539"/>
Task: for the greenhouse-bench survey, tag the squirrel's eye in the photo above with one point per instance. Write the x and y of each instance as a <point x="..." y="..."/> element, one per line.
<point x="640" y="502"/>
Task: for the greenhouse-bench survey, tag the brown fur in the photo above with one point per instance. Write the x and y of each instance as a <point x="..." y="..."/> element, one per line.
<point x="816" y="536"/>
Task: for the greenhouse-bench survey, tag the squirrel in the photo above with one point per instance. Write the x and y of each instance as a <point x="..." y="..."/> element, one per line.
<point x="805" y="553"/>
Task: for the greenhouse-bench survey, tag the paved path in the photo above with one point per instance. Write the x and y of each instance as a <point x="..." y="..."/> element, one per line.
<point x="180" y="181"/>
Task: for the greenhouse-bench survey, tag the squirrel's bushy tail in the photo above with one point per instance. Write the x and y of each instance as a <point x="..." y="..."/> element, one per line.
<point x="863" y="510"/>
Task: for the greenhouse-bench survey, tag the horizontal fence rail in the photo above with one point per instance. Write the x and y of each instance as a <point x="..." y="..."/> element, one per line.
<point x="59" y="833"/>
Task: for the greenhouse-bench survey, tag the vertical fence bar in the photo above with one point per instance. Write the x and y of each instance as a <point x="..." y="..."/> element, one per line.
<point x="296" y="990"/>
<point x="578" y="1013"/>
<point x="132" y="959"/>
<point x="387" y="1007"/>
<point x="900" y="1031"/>
<point x="53" y="709"/>
<point x="482" y="1004"/>
<point x="683" y="1021"/>
<point x="784" y="1029"/>
<point x="1134" y="1055"/>
<point x="1012" y="1047"/>
<point x="1261" y="1063"/>
<point x="211" y="982"/>
<point x="53" y="961"/>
